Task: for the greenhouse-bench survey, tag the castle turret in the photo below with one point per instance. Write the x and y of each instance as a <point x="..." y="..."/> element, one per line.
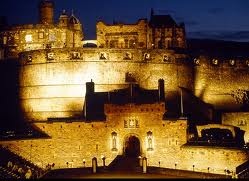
<point x="77" y="33"/>
<point x="46" y="12"/>
<point x="63" y="19"/>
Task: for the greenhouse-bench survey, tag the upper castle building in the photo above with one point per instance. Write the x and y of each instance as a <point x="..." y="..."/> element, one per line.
<point x="161" y="32"/>
<point x="47" y="33"/>
<point x="140" y="84"/>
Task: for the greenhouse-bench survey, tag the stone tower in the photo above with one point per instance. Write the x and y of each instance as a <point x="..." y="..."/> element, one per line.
<point x="46" y="12"/>
<point x="63" y="19"/>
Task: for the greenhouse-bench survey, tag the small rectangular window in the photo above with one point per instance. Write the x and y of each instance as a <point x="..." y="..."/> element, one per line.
<point x="41" y="35"/>
<point x="75" y="55"/>
<point x="50" y="56"/>
<point x="51" y="37"/>
<point x="28" y="38"/>
<point x="5" y="40"/>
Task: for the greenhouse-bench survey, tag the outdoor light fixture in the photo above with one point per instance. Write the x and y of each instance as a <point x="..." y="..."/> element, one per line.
<point x="103" y="159"/>
<point x="84" y="162"/>
<point x="176" y="164"/>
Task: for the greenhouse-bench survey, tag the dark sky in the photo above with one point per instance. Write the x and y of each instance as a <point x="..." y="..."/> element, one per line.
<point x="217" y="19"/>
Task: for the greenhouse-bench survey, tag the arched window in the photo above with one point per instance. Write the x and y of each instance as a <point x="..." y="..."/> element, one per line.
<point x="114" y="141"/>
<point x="149" y="140"/>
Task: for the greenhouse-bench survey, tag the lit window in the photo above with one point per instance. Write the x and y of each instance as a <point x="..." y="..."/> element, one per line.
<point x="28" y="38"/>
<point x="149" y="139"/>
<point x="5" y="40"/>
<point x="29" y="59"/>
<point x="215" y="61"/>
<point x="75" y="55"/>
<point x="146" y="56"/>
<point x="247" y="63"/>
<point x="166" y="58"/>
<point x="52" y="37"/>
<point x="231" y="62"/>
<point x="50" y="56"/>
<point x="197" y="61"/>
<point x="41" y="35"/>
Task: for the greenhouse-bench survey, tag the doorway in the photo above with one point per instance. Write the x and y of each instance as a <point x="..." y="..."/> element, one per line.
<point x="132" y="146"/>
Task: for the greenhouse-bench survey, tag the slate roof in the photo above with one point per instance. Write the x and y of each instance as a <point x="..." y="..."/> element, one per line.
<point x="159" y="21"/>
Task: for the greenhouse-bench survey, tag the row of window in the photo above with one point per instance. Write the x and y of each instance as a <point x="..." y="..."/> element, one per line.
<point x="29" y="37"/>
<point x="103" y="56"/>
<point x="214" y="61"/>
<point x="129" y="56"/>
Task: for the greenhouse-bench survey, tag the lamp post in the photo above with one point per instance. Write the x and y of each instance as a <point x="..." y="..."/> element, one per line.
<point x="159" y="162"/>
<point x="176" y="164"/>
<point x="103" y="159"/>
<point x="84" y="163"/>
<point x="193" y="167"/>
<point x="208" y="169"/>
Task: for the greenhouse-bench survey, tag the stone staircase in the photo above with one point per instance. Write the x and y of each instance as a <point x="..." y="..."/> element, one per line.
<point x="125" y="164"/>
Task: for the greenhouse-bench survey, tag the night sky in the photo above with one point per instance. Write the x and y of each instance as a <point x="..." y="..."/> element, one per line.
<point x="215" y="19"/>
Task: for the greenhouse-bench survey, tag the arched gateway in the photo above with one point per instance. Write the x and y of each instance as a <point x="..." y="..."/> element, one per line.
<point x="132" y="146"/>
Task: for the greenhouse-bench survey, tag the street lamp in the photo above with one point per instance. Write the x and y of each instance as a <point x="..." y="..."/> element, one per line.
<point x="176" y="164"/>
<point x="84" y="163"/>
<point x="193" y="167"/>
<point x="103" y="158"/>
<point x="208" y="169"/>
<point x="159" y="162"/>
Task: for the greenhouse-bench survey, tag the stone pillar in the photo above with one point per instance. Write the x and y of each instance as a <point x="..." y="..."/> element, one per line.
<point x="144" y="165"/>
<point x="94" y="164"/>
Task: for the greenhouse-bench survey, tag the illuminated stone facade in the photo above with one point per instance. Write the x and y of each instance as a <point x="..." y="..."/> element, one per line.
<point x="73" y="142"/>
<point x="46" y="34"/>
<point x="54" y="69"/>
<point x="160" y="32"/>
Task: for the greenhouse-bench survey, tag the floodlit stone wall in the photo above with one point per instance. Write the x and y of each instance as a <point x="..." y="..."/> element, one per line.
<point x="72" y="142"/>
<point x="55" y="87"/>
<point x="238" y="119"/>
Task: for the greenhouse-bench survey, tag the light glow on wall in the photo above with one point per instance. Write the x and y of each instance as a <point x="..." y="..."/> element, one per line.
<point x="28" y="38"/>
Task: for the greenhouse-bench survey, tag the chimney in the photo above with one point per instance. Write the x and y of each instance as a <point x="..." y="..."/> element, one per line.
<point x="89" y="87"/>
<point x="161" y="93"/>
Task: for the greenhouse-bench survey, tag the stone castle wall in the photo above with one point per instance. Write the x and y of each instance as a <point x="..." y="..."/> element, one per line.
<point x="238" y="119"/>
<point x="73" y="142"/>
<point x="215" y="84"/>
<point x="122" y="33"/>
<point x="56" y="88"/>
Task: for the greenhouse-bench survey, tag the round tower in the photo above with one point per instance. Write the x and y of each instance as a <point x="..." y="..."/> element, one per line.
<point x="46" y="12"/>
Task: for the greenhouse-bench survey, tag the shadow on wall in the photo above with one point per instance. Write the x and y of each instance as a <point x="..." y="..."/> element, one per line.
<point x="196" y="109"/>
<point x="9" y="95"/>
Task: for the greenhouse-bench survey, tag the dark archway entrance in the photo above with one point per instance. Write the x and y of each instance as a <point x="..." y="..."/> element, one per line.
<point x="132" y="147"/>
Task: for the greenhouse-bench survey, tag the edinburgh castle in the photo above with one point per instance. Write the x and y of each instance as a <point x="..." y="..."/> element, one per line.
<point x="135" y="90"/>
